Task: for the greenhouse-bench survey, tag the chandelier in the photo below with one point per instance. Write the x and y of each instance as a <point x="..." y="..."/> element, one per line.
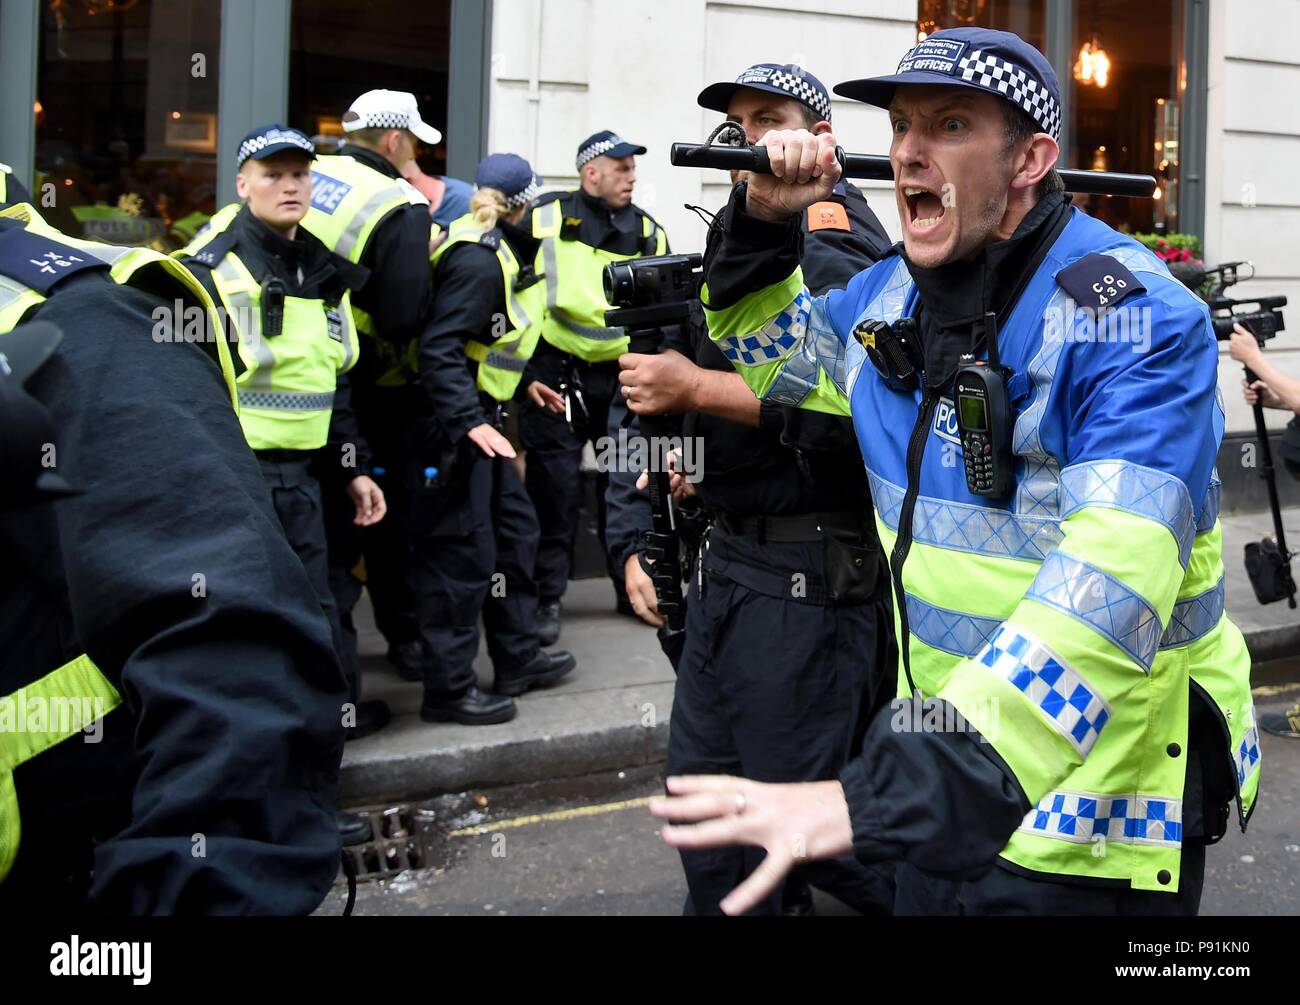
<point x="1092" y="68"/>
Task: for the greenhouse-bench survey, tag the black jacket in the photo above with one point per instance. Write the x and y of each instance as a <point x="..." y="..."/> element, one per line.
<point x="214" y="787"/>
<point x="469" y="303"/>
<point x="795" y="461"/>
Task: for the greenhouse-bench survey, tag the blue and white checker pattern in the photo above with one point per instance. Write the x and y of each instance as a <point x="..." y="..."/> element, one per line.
<point x="820" y="350"/>
<point x="777" y="339"/>
<point x="803" y="91"/>
<point x="1103" y="603"/>
<point x="1147" y="492"/>
<point x="1248" y="750"/>
<point x="1065" y="699"/>
<point x="996" y="74"/>
<point x="1082" y="817"/>
<point x="255" y="144"/>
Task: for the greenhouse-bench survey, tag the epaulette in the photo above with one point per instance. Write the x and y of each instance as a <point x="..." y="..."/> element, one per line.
<point x="40" y="263"/>
<point x="1098" y="282"/>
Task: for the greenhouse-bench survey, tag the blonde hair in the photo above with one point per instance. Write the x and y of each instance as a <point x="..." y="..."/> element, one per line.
<point x="488" y="206"/>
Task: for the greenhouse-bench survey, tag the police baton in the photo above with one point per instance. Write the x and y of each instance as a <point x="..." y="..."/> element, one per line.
<point x="877" y="167"/>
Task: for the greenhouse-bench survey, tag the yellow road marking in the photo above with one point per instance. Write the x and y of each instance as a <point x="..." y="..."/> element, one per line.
<point x="538" y="818"/>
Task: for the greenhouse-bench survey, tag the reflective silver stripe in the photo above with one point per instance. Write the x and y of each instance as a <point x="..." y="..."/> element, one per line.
<point x="1194" y="618"/>
<point x="248" y="321"/>
<point x="10" y="291"/>
<point x="502" y="361"/>
<point x="552" y="272"/>
<point x="965" y="527"/>
<point x="1085" y="817"/>
<point x="286" y="401"/>
<point x="1210" y="511"/>
<point x="352" y="233"/>
<point x="949" y="631"/>
<point x="1131" y="488"/>
<point x="348" y="329"/>
<point x="595" y="334"/>
<point x="1101" y="602"/>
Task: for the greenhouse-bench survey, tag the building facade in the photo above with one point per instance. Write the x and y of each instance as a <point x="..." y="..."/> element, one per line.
<point x="123" y="114"/>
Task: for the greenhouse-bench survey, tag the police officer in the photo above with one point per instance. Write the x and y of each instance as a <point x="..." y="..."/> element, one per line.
<point x="475" y="522"/>
<point x="581" y="232"/>
<point x="1086" y="717"/>
<point x="159" y="606"/>
<point x="288" y="310"/>
<point x="365" y="211"/>
<point x="792" y="553"/>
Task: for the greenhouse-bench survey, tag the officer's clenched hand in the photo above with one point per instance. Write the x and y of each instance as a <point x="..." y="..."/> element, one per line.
<point x="679" y="486"/>
<point x="792" y="823"/>
<point x="804" y="171"/>
<point x="664" y="382"/>
<point x="641" y="592"/>
<point x="368" y="498"/>
<point x="545" y="397"/>
<point x="491" y="442"/>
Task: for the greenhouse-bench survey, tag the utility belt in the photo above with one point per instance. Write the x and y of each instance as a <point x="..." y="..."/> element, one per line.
<point x="839" y="565"/>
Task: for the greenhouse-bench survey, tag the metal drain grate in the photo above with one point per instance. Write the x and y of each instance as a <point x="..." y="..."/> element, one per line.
<point x="402" y="838"/>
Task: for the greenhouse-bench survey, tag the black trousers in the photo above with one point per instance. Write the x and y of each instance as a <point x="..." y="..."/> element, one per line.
<point x="775" y="689"/>
<point x="296" y="496"/>
<point x="474" y="543"/>
<point x="554" y="463"/>
<point x="1002" y="892"/>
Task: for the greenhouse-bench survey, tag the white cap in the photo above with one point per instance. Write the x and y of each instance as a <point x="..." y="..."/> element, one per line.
<point x="389" y="110"/>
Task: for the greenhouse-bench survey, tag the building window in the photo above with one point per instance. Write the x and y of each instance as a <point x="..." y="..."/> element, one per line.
<point x="336" y="54"/>
<point x="1124" y="85"/>
<point x="1128" y="119"/>
<point x="126" y="118"/>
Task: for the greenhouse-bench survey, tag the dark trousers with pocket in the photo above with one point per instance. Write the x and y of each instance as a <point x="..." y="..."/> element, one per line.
<point x="776" y="688"/>
<point x="554" y="464"/>
<point x="474" y="541"/>
<point x="296" y="496"/>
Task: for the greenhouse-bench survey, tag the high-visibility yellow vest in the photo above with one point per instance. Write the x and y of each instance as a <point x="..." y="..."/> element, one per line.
<point x="501" y="364"/>
<point x="286" y="392"/>
<point x="349" y="200"/>
<point x="64" y="701"/>
<point x="575" y="291"/>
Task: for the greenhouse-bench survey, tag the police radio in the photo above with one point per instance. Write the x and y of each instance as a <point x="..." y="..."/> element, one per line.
<point x="272" y="307"/>
<point x="984" y="420"/>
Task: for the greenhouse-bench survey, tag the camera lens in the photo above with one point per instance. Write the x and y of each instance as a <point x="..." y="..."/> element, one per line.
<point x="619" y="284"/>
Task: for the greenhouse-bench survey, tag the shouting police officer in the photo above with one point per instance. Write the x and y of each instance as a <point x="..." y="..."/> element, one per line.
<point x="1084" y="714"/>
<point x="581" y="232"/>
<point x="792" y="553"/>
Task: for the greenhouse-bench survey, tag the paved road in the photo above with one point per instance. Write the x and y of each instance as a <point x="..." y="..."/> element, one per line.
<point x="588" y="847"/>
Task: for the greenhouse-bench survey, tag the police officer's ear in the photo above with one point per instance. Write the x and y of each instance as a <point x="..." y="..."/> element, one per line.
<point x="817" y="128"/>
<point x="1033" y="163"/>
<point x="243" y="184"/>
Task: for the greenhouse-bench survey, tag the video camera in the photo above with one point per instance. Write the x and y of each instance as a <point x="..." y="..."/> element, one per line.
<point x="651" y="292"/>
<point x="1262" y="316"/>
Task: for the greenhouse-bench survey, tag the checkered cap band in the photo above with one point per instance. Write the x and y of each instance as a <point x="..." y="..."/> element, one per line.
<point x="595" y="150"/>
<point x="259" y="143"/>
<point x="380" y="120"/>
<point x="1014" y="83"/>
<point x="523" y="198"/>
<point x="801" y="90"/>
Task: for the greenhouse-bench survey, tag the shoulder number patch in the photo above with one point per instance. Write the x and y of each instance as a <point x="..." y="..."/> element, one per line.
<point x="827" y="216"/>
<point x="1099" y="282"/>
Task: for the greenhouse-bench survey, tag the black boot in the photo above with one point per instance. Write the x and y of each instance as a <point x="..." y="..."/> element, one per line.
<point x="372" y="716"/>
<point x="473" y="708"/>
<point x="542" y="670"/>
<point x="548" y="622"/>
<point x="354" y="829"/>
<point x="408" y="659"/>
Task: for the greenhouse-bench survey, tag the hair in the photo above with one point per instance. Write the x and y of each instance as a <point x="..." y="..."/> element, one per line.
<point x="810" y="118"/>
<point x="488" y="206"/>
<point x="1019" y="128"/>
<point x="372" y="139"/>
